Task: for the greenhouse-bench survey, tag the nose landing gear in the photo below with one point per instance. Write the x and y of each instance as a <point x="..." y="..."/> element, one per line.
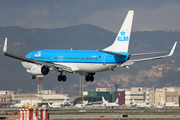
<point x="33" y="76"/>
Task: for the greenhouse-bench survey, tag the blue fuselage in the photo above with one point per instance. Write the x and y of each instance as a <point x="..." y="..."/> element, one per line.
<point x="76" y="56"/>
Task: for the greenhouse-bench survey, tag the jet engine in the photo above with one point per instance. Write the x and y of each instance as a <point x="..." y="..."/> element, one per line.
<point x="39" y="70"/>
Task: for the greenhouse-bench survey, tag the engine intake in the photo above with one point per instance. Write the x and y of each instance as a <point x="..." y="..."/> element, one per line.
<point x="44" y="70"/>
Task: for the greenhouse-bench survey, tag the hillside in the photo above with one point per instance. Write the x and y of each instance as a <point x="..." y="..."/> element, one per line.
<point x="156" y="73"/>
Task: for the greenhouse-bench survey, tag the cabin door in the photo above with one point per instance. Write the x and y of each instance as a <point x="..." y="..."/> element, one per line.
<point x="103" y="59"/>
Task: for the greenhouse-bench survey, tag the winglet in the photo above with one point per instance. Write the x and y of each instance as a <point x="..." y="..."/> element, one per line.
<point x="172" y="50"/>
<point x="134" y="101"/>
<point x="5" y="46"/>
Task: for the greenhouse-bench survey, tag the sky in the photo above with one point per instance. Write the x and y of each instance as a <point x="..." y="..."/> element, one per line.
<point x="107" y="14"/>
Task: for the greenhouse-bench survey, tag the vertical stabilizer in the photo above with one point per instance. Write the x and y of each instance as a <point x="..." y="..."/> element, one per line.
<point x="103" y="99"/>
<point x="121" y="43"/>
<point x="117" y="100"/>
<point x="162" y="101"/>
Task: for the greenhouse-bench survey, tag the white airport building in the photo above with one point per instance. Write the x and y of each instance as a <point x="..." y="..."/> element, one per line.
<point x="139" y="94"/>
<point x="47" y="96"/>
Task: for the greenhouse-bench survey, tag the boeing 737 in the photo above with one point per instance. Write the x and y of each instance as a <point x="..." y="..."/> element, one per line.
<point x="84" y="62"/>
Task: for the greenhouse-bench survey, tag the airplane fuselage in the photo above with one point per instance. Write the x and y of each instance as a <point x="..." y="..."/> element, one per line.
<point x="79" y="60"/>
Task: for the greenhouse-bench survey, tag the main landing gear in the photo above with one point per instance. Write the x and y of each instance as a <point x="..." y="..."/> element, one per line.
<point x="90" y="77"/>
<point x="62" y="77"/>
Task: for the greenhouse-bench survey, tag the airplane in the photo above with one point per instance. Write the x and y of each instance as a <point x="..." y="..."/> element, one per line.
<point x="83" y="105"/>
<point x="59" y="104"/>
<point x="108" y="105"/>
<point x="96" y="104"/>
<point x="169" y="104"/>
<point x="140" y="105"/>
<point x="84" y="62"/>
<point x="56" y="105"/>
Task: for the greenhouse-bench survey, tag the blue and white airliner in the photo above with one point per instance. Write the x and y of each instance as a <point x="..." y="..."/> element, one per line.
<point x="84" y="62"/>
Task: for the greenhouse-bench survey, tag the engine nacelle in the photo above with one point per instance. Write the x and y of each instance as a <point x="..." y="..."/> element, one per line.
<point x="39" y="70"/>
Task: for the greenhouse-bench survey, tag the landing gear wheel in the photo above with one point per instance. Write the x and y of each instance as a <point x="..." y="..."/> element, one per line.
<point x="91" y="78"/>
<point x="33" y="76"/>
<point x="87" y="78"/>
<point x="59" y="78"/>
<point x="64" y="78"/>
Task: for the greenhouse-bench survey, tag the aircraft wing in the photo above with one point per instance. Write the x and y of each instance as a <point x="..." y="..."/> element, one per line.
<point x="151" y="53"/>
<point x="48" y="64"/>
<point x="131" y="62"/>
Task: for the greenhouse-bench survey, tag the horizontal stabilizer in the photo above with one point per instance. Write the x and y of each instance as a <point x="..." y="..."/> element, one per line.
<point x="131" y="62"/>
<point x="112" y="53"/>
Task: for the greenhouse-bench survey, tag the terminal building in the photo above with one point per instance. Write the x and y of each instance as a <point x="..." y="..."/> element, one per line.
<point x="126" y="96"/>
<point x="6" y="97"/>
<point x="169" y="94"/>
<point x="109" y="94"/>
<point x="139" y="94"/>
<point x="48" y="96"/>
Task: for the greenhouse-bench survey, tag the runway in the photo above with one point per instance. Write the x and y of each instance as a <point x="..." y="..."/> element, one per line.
<point x="99" y="116"/>
<point x="110" y="116"/>
<point x="71" y="113"/>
